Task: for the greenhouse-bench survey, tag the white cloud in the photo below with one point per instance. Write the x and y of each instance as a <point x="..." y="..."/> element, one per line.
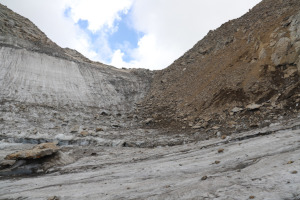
<point x="149" y="54"/>
<point x="172" y="27"/>
<point x="99" y="13"/>
<point x="117" y="59"/>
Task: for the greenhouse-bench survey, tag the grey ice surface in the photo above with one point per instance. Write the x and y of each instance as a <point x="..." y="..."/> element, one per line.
<point x="41" y="79"/>
<point x="254" y="163"/>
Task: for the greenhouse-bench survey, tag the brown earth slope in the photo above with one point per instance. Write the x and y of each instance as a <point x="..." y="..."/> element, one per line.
<point x="251" y="60"/>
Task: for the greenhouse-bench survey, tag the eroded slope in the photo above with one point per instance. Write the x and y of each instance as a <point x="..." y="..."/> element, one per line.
<point x="251" y="61"/>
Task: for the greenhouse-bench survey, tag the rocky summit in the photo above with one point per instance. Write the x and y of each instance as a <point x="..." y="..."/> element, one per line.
<point x="221" y="122"/>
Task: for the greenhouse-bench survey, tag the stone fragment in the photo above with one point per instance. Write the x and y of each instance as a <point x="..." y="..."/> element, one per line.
<point x="231" y="124"/>
<point x="220" y="150"/>
<point x="7" y="163"/>
<point x="281" y="50"/>
<point x="217" y="162"/>
<point x="116" y="125"/>
<point x="39" y="151"/>
<point x="204" y="178"/>
<point x="207" y="118"/>
<point x="294" y="172"/>
<point x="290" y="72"/>
<point x="61" y="118"/>
<point x="254" y="125"/>
<point x="53" y="198"/>
<point x="75" y="129"/>
<point x="253" y="106"/>
<point x="262" y="54"/>
<point x="205" y="125"/>
<point x="91" y="132"/>
<point x="148" y="120"/>
<point x="236" y="109"/>
<point x="290" y="162"/>
<point x="84" y="133"/>
<point x="99" y="129"/>
<point x="103" y="113"/>
<point x="196" y="127"/>
<point x="251" y="197"/>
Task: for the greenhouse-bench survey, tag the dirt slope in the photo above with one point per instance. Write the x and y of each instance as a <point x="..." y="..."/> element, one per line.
<point x="250" y="60"/>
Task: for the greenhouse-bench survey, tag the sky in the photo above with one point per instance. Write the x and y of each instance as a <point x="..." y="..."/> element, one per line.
<point x="129" y="33"/>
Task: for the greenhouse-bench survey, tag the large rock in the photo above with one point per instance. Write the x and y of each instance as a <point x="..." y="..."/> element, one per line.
<point x="75" y="129"/>
<point x="236" y="109"/>
<point x="295" y="28"/>
<point x="7" y="163"/>
<point x="253" y="106"/>
<point x="38" y="151"/>
<point x="281" y="50"/>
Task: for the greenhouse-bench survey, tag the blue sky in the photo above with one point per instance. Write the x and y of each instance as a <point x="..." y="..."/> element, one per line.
<point x="123" y="36"/>
<point x="129" y="33"/>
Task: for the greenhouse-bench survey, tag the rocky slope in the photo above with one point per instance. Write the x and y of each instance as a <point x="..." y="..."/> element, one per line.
<point x="251" y="61"/>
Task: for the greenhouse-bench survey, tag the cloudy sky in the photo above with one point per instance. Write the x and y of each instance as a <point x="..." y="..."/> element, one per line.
<point x="129" y="33"/>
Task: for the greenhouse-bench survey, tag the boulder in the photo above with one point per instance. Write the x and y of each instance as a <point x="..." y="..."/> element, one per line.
<point x="53" y="198"/>
<point x="75" y="129"/>
<point x="253" y="106"/>
<point x="7" y="163"/>
<point x="290" y="72"/>
<point x="149" y="120"/>
<point x="205" y="125"/>
<point x="37" y="152"/>
<point x="84" y="133"/>
<point x="236" y="109"/>
<point x="196" y="127"/>
<point x="281" y="50"/>
<point x="262" y="54"/>
<point x="99" y="129"/>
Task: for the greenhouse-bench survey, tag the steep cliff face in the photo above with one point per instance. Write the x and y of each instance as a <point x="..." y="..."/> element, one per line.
<point x="247" y="61"/>
<point x="44" y="88"/>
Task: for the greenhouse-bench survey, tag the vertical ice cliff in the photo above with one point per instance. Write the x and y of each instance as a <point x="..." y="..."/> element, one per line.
<point x="37" y="78"/>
